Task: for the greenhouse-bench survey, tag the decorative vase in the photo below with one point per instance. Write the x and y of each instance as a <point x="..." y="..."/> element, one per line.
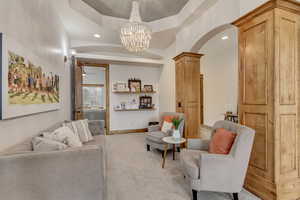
<point x="176" y="134"/>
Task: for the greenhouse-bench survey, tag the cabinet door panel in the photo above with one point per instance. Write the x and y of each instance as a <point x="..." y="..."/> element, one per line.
<point x="180" y="84"/>
<point x="256" y="101"/>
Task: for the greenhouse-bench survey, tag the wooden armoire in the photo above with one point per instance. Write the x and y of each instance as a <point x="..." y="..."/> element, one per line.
<point x="188" y="99"/>
<point x="269" y="92"/>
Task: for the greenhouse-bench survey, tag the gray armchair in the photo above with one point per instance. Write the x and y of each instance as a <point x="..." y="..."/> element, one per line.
<point x="155" y="135"/>
<point x="214" y="172"/>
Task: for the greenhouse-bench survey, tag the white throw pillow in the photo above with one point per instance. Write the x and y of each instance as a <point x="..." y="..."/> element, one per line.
<point x="45" y="144"/>
<point x="166" y="127"/>
<point x="64" y="135"/>
<point x="81" y="129"/>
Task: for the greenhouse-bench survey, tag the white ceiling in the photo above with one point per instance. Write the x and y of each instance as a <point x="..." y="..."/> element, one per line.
<point x="150" y="10"/>
<point x="82" y="22"/>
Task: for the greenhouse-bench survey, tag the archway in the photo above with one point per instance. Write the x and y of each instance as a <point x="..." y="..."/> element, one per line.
<point x="219" y="67"/>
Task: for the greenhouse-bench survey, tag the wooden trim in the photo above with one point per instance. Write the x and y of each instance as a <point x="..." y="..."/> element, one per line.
<point x="81" y="63"/>
<point x="107" y="121"/>
<point x="261" y="9"/>
<point x="290" y="5"/>
<point x="114" y="132"/>
<point x="128" y="92"/>
<point x="138" y="109"/>
<point x="92" y="85"/>
<point x="91" y="64"/>
<point x="188" y="54"/>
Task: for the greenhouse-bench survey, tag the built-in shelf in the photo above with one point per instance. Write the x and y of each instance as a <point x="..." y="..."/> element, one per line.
<point x="144" y="109"/>
<point x="128" y="92"/>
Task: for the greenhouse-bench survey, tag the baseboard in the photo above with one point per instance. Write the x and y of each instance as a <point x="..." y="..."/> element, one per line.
<point x="114" y="132"/>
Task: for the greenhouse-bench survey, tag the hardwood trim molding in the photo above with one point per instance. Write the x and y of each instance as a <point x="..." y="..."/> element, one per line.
<point x="188" y="54"/>
<point x="290" y="5"/>
<point x="82" y="63"/>
<point x="92" y="85"/>
<point x="115" y="132"/>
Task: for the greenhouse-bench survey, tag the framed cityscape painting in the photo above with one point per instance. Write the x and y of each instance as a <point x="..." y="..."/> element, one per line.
<point x="28" y="85"/>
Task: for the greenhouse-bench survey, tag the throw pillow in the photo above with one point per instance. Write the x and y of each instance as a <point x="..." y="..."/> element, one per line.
<point x="81" y="129"/>
<point x="166" y="127"/>
<point x="64" y="135"/>
<point x="222" y="141"/>
<point x="44" y="144"/>
<point x="168" y="118"/>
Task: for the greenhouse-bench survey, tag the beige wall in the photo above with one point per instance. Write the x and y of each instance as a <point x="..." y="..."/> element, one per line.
<point x="36" y="26"/>
<point x="219" y="65"/>
<point x="133" y="119"/>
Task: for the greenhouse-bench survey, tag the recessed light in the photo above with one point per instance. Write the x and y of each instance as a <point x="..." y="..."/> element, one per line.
<point x="97" y="35"/>
<point x="73" y="52"/>
<point x="225" y="37"/>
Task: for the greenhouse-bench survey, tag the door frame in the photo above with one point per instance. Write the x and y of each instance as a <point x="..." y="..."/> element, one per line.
<point x="81" y="63"/>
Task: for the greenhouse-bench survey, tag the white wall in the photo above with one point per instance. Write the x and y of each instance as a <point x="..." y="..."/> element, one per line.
<point x="247" y="6"/>
<point x="36" y="26"/>
<point x="167" y="80"/>
<point x="220" y="69"/>
<point x="132" y="119"/>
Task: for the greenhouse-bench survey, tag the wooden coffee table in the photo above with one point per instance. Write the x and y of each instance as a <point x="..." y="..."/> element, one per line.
<point x="174" y="142"/>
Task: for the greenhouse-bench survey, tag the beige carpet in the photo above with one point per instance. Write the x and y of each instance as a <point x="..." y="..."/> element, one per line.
<point x="135" y="174"/>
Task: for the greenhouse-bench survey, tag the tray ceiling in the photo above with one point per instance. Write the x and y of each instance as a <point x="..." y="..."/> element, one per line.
<point x="151" y="10"/>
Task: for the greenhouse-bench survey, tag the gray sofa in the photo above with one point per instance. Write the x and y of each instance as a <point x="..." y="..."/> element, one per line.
<point x="215" y="172"/>
<point x="71" y="174"/>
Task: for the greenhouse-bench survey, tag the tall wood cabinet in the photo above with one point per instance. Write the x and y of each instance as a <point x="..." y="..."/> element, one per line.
<point x="188" y="91"/>
<point x="269" y="92"/>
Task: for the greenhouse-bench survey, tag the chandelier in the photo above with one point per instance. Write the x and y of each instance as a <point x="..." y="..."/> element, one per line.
<point x="135" y="36"/>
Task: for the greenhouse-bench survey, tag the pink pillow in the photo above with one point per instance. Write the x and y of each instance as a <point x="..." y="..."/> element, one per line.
<point x="222" y="141"/>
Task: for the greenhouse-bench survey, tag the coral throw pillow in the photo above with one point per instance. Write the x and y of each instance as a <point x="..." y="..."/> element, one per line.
<point x="222" y="141"/>
<point x="168" y="118"/>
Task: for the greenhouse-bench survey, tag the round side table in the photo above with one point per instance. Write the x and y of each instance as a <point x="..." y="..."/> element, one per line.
<point x="174" y="142"/>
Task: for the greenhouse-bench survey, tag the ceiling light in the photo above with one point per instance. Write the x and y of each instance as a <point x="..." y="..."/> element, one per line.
<point x="225" y="37"/>
<point x="73" y="52"/>
<point x="97" y="35"/>
<point x="135" y="36"/>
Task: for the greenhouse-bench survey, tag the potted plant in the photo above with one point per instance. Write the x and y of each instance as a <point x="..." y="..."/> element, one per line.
<point x="176" y="123"/>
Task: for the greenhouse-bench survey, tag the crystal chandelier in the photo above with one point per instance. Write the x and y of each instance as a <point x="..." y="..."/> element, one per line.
<point x="135" y="36"/>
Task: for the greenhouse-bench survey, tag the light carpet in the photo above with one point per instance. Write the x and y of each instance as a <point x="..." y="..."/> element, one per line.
<point x="135" y="174"/>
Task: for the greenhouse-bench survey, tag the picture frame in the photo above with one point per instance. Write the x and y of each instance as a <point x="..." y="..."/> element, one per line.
<point x="145" y="102"/>
<point x="29" y="84"/>
<point x="148" y="88"/>
<point x="135" y="85"/>
<point x="120" y="87"/>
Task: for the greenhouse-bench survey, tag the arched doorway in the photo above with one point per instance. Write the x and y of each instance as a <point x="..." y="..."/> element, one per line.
<point x="219" y="68"/>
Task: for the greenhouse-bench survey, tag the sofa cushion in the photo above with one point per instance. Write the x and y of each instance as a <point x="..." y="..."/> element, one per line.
<point x="156" y="136"/>
<point x="190" y="162"/>
<point x="81" y="129"/>
<point x="221" y="141"/>
<point x="99" y="140"/>
<point x="64" y="135"/>
<point x="44" y="144"/>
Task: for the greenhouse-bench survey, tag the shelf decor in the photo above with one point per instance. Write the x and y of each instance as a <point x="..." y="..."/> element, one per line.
<point x="148" y="88"/>
<point x="135" y="85"/>
<point x="145" y="102"/>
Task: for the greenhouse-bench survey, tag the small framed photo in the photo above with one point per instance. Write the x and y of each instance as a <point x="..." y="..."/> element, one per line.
<point x="148" y="88"/>
<point x="120" y="87"/>
<point x="135" y="85"/>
